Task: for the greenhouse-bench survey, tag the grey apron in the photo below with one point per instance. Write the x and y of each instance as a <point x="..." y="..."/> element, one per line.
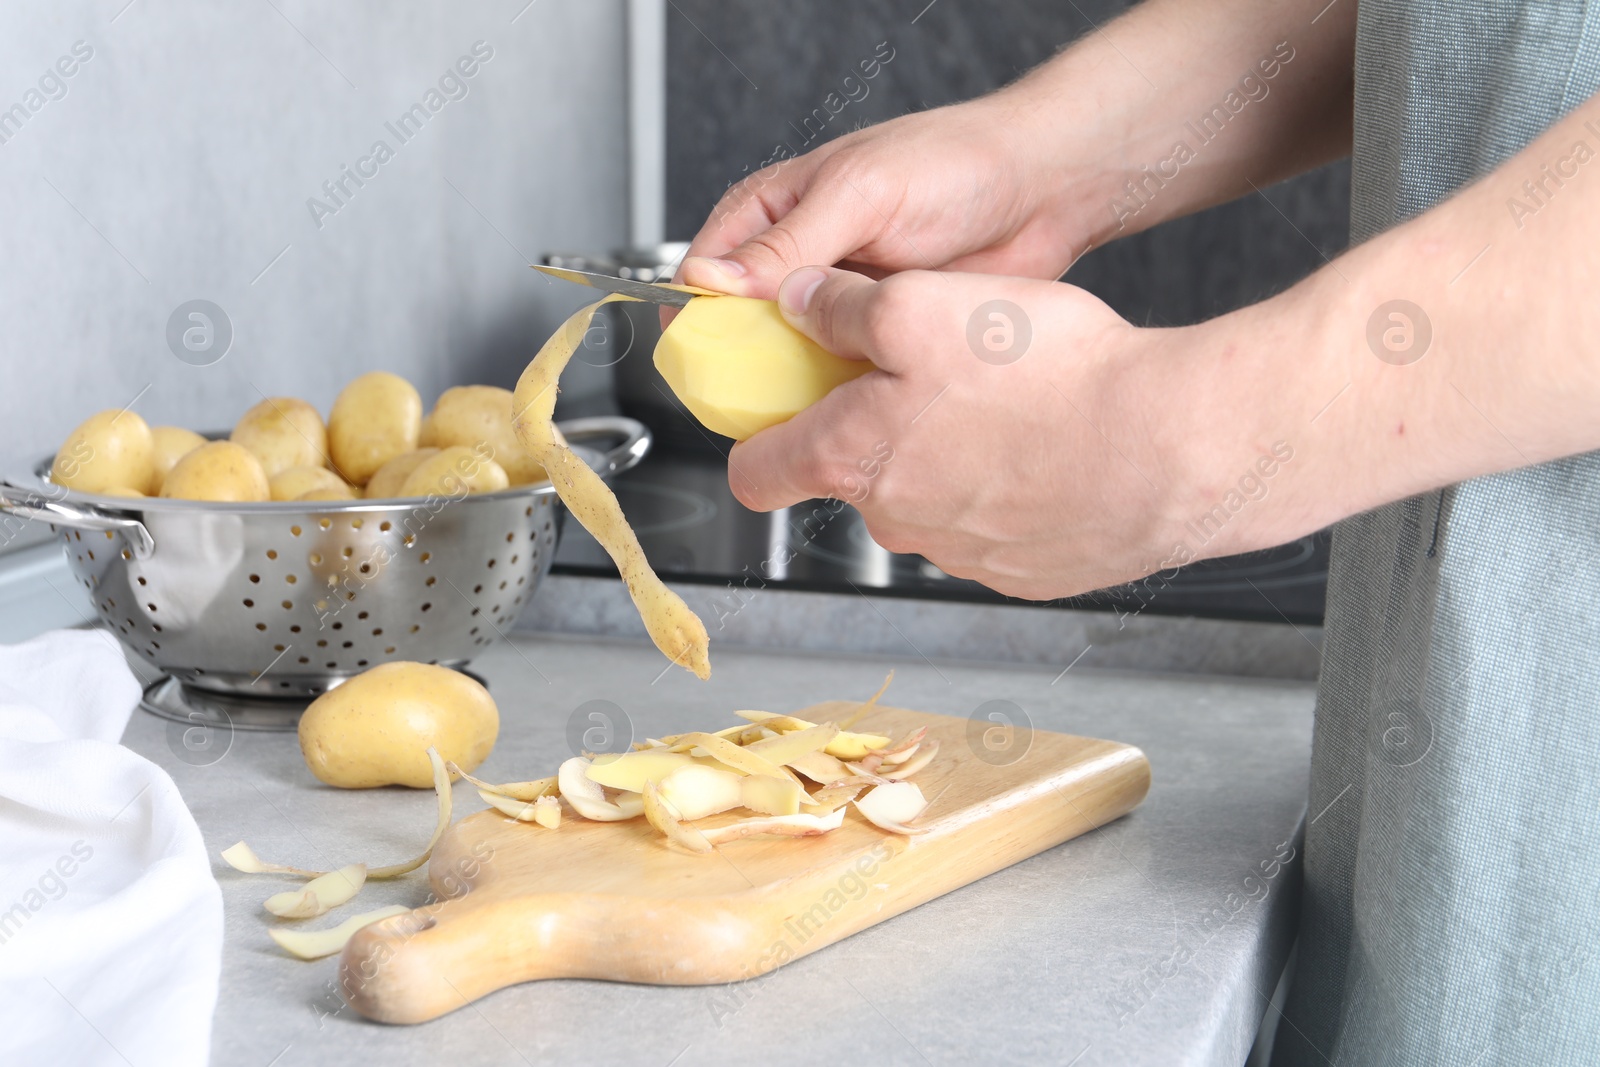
<point x="1452" y="877"/>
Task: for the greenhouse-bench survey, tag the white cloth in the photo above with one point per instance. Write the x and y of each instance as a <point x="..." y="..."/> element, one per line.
<point x="110" y="916"/>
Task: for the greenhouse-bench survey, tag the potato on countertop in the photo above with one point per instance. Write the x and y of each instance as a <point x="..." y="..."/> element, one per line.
<point x="375" y="729"/>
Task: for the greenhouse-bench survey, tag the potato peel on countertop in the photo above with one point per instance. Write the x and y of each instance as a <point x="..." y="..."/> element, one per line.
<point x="241" y="857"/>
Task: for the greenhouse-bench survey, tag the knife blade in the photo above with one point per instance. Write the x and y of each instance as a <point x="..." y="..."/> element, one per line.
<point x="669" y="295"/>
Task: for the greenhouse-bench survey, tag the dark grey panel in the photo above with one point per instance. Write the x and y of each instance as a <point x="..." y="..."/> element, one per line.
<point x="743" y="76"/>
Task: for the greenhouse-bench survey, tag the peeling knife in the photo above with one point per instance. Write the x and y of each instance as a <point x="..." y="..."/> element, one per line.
<point x="676" y="296"/>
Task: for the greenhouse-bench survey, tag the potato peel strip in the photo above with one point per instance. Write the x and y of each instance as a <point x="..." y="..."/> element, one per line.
<point x="731" y="755"/>
<point x="673" y="626"/>
<point x="315" y="944"/>
<point x="320" y="895"/>
<point x="527" y="792"/>
<point x="241" y="857"/>
<point x="872" y="701"/>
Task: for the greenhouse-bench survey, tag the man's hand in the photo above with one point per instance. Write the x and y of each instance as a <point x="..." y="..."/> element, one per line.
<point x="1024" y="180"/>
<point x="1458" y="344"/>
<point x="1016" y="432"/>
<point x="965" y="187"/>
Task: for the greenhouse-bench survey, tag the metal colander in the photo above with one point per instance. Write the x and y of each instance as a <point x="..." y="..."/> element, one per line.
<point x="288" y="599"/>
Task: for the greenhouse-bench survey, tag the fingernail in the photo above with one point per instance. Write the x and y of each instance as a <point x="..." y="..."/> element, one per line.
<point x="798" y="288"/>
<point x="728" y="267"/>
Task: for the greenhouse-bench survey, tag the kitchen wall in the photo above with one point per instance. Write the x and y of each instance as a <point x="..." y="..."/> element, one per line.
<point x="164" y="151"/>
<point x="744" y="75"/>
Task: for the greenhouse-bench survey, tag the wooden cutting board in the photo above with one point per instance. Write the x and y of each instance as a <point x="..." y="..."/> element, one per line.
<point x="612" y="901"/>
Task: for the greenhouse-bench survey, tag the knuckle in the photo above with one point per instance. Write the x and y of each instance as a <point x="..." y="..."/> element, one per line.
<point x="823" y="314"/>
<point x="778" y="244"/>
<point x="895" y="304"/>
<point x="892" y="539"/>
<point x="835" y="479"/>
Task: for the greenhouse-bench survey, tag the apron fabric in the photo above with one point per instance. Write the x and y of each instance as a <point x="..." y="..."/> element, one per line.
<point x="1452" y="874"/>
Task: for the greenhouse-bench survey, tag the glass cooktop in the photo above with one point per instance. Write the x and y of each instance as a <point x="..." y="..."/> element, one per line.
<point x="693" y="530"/>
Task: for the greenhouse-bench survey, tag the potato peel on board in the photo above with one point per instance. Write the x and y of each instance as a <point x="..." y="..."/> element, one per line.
<point x="672" y="624"/>
<point x="680" y="779"/>
<point x="892" y="807"/>
<point x="527" y="792"/>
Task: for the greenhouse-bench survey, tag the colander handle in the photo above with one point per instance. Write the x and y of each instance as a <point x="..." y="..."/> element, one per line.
<point x="31" y="504"/>
<point x="634" y="445"/>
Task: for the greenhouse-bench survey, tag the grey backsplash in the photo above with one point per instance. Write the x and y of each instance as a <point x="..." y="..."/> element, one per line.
<point x="177" y="160"/>
<point x="745" y="74"/>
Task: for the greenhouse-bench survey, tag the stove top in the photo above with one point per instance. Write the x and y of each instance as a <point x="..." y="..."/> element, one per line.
<point x="693" y="530"/>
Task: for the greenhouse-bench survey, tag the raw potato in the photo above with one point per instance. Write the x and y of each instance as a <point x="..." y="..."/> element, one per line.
<point x="171" y="443"/>
<point x="455" y="471"/>
<point x="218" y="470"/>
<point x="374" y="729"/>
<point x="386" y="483"/>
<point x="296" y="482"/>
<point x="474" y="415"/>
<point x="283" y="432"/>
<point x="330" y="493"/>
<point x="672" y="625"/>
<point x="109" y="450"/>
<point x="739" y="367"/>
<point x="375" y="418"/>
<point x="121" y="490"/>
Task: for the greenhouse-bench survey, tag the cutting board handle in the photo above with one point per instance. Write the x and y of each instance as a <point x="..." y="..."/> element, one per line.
<point x="421" y="965"/>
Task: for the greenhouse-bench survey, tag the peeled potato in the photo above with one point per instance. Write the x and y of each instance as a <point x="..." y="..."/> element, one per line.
<point x="283" y="433"/>
<point x="739" y="367"/>
<point x="474" y="415"/>
<point x="376" y="728"/>
<point x="386" y="483"/>
<point x="218" y="470"/>
<point x="171" y="443"/>
<point x="455" y="471"/>
<point x="296" y="482"/>
<point x="109" y="450"/>
<point x="375" y="418"/>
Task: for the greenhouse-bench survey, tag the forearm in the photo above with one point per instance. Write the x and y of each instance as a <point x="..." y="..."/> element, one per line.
<point x="1177" y="106"/>
<point x="1503" y="276"/>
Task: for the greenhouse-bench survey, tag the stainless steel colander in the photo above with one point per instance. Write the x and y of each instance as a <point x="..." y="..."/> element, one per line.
<point x="287" y="599"/>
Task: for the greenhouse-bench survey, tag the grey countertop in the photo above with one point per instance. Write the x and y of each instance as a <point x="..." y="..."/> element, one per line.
<point x="1154" y="940"/>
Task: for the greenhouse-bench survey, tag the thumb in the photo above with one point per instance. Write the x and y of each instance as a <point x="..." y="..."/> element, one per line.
<point x="832" y="307"/>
